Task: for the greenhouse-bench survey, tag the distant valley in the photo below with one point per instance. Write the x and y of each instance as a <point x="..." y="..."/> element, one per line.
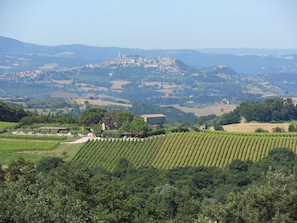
<point x="187" y="78"/>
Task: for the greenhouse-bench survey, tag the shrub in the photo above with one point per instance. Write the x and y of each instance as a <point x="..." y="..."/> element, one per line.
<point x="278" y="129"/>
<point x="260" y="130"/>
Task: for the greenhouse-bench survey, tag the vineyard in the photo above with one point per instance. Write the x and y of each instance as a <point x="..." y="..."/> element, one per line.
<point x="207" y="148"/>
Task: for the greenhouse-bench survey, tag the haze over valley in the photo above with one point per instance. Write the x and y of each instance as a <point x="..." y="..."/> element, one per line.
<point x="186" y="78"/>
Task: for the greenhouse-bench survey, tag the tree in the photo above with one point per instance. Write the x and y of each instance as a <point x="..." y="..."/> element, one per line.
<point x="260" y="130"/>
<point x="278" y="129"/>
<point x="138" y="126"/>
<point x="109" y="119"/>
<point x="273" y="202"/>
<point x="123" y="117"/>
<point x="74" y="175"/>
<point x="48" y="163"/>
<point x="230" y="118"/>
<point x="92" y="116"/>
<point x="239" y="172"/>
<point x="218" y="127"/>
<point x="237" y="166"/>
<point x="2" y="175"/>
<point x="9" y="113"/>
<point x="123" y="166"/>
<point x="20" y="168"/>
<point x="167" y="206"/>
<point x="111" y="200"/>
<point x="282" y="157"/>
<point x="292" y="127"/>
<point x="272" y="109"/>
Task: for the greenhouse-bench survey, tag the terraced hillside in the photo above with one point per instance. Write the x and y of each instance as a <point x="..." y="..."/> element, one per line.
<point x="207" y="148"/>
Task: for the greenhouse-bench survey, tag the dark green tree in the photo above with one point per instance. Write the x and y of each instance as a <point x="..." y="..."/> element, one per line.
<point x="92" y="116"/>
<point x="292" y="127"/>
<point x="2" y="175"/>
<point x="278" y="129"/>
<point x="167" y="205"/>
<point x="11" y="113"/>
<point x="123" y="117"/>
<point x="48" y="163"/>
<point x="138" y="126"/>
<point x="20" y="168"/>
<point x="230" y="118"/>
<point x="272" y="202"/>
<point x="109" y="119"/>
<point x="75" y="175"/>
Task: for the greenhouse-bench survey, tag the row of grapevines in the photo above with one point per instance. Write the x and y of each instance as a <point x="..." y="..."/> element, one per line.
<point x="219" y="149"/>
<point x="107" y="153"/>
<point x="184" y="149"/>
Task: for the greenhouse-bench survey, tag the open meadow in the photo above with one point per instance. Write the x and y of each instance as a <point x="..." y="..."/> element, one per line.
<point x="7" y="125"/>
<point x="31" y="148"/>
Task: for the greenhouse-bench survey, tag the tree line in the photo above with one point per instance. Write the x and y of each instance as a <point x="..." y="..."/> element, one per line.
<point x="269" y="110"/>
<point x="59" y="191"/>
<point x="11" y="113"/>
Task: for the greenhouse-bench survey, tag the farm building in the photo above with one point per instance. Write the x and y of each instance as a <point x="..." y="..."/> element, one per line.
<point x="154" y="119"/>
<point x="54" y="130"/>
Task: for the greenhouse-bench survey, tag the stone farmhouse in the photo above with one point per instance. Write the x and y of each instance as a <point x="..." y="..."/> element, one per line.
<point x="154" y="119"/>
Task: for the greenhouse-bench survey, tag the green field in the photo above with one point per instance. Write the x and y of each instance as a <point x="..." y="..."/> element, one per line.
<point x="33" y="137"/>
<point x="20" y="144"/>
<point x="13" y="148"/>
<point x="207" y="148"/>
<point x="7" y="124"/>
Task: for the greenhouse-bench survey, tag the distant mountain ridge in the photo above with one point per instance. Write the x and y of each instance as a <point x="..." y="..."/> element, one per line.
<point x="19" y="56"/>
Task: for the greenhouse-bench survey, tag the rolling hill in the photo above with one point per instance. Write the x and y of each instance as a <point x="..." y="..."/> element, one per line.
<point x="161" y="81"/>
<point x="187" y="78"/>
<point x="243" y="60"/>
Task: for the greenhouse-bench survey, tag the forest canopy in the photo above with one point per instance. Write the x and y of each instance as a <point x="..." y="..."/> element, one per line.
<point x="58" y="191"/>
<point x="271" y="110"/>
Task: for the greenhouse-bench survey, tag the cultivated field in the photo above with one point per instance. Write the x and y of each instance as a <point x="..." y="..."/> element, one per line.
<point x="207" y="148"/>
<point x="118" y="84"/>
<point x="13" y="146"/>
<point x="214" y="109"/>
<point x="101" y="103"/>
<point x="252" y="126"/>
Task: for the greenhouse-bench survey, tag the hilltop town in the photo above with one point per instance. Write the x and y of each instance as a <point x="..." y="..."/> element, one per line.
<point x="160" y="64"/>
<point x="163" y="64"/>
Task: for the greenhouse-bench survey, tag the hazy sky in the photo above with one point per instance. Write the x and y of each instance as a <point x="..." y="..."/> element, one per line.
<point x="152" y="24"/>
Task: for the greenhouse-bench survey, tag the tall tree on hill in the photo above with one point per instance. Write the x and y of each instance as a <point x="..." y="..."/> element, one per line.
<point x="92" y="116"/>
<point x="10" y="113"/>
<point x="123" y="117"/>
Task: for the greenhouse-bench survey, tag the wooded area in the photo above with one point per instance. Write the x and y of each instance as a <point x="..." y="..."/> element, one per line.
<point x="58" y="191"/>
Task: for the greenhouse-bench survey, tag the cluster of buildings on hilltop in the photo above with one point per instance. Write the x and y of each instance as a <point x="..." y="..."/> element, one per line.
<point x="162" y="63"/>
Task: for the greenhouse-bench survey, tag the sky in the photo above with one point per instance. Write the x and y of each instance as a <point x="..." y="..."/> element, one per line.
<point x="152" y="24"/>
